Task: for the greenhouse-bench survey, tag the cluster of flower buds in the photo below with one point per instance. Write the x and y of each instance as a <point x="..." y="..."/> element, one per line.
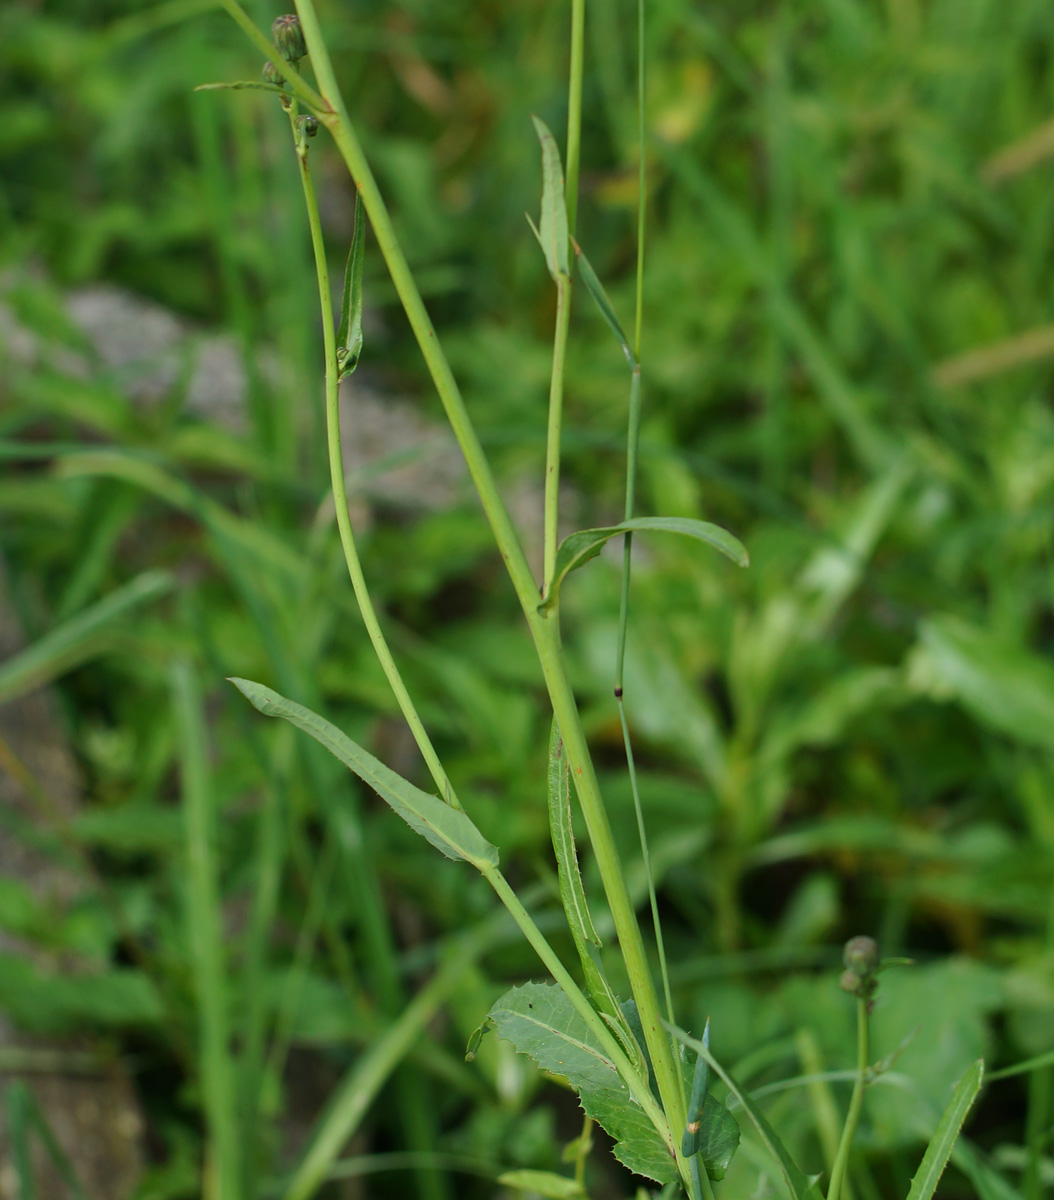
<point x="289" y="38"/>
<point x="861" y="961"/>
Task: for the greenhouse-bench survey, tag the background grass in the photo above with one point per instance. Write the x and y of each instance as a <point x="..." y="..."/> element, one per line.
<point x="854" y="736"/>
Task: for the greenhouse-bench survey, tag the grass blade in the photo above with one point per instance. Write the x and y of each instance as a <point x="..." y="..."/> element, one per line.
<point x="78" y="639"/>
<point x="205" y="937"/>
<point x="943" y="1141"/>
<point x="572" y="893"/>
<point x="448" y="829"/>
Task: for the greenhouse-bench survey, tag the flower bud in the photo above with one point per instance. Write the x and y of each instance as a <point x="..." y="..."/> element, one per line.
<point x="271" y="74"/>
<point x="308" y="126"/>
<point x="851" y="983"/>
<point x="289" y="37"/>
<point x="861" y="956"/>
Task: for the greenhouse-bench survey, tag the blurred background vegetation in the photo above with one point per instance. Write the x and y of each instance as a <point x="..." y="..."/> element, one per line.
<point x="846" y="362"/>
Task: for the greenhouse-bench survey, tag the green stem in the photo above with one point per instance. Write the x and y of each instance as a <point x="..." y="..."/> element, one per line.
<point x="841" y="1161"/>
<point x="340" y="497"/>
<point x="552" y="439"/>
<point x="574" y="111"/>
<point x="544" y="630"/>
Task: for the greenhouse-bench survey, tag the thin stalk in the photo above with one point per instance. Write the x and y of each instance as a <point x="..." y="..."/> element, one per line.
<point x="552" y="438"/>
<point x="574" y="111"/>
<point x="340" y="496"/>
<point x="632" y="448"/>
<point x="701" y="1186"/>
<point x="841" y="1162"/>
<point x="544" y="630"/>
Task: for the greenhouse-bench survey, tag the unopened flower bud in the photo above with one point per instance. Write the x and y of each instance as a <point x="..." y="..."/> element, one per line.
<point x="271" y="74"/>
<point x="861" y="956"/>
<point x="308" y="126"/>
<point x="289" y="37"/>
<point x="851" y="983"/>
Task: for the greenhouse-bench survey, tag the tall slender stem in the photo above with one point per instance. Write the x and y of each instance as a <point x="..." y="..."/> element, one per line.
<point x="841" y="1161"/>
<point x="555" y="423"/>
<point x="340" y="496"/>
<point x="574" y="111"/>
<point x="544" y="630"/>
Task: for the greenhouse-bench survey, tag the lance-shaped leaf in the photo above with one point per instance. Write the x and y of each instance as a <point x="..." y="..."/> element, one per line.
<point x="540" y="1021"/>
<point x="448" y="829"/>
<point x="553" y="235"/>
<point x="943" y="1142"/>
<point x="573" y="900"/>
<point x="800" y="1185"/>
<point x="578" y="548"/>
<point x="349" y="333"/>
<point x="544" y="1183"/>
<point x="240" y="85"/>
<point x="600" y="297"/>
<point x="697" y="1101"/>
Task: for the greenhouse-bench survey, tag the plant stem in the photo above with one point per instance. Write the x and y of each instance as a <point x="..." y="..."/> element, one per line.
<point x="340" y="497"/>
<point x="841" y="1161"/>
<point x="544" y="629"/>
<point x="574" y="112"/>
<point x="552" y="438"/>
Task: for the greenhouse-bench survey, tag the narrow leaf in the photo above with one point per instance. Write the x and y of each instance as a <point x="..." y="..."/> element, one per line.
<point x="943" y="1142"/>
<point x="700" y="1082"/>
<point x="540" y="1021"/>
<point x="600" y="297"/>
<point x="543" y="1183"/>
<point x="349" y="333"/>
<point x="798" y="1183"/>
<point x="553" y="234"/>
<point x="572" y="893"/>
<point x="578" y="548"/>
<point x="80" y="638"/>
<point x="448" y="829"/>
<point x="240" y="85"/>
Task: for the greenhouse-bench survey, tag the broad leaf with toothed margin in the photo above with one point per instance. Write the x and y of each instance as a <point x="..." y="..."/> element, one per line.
<point x="578" y="548"/>
<point x="448" y="829"/>
<point x="540" y="1021"/>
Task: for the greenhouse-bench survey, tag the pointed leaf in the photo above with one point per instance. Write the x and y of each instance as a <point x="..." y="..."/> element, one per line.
<point x="448" y="829"/>
<point x="540" y="1021"/>
<point x="578" y="548"/>
<point x="543" y="1183"/>
<point x="943" y="1142"/>
<point x="349" y="333"/>
<point x="553" y="233"/>
<point x="697" y="1101"/>
<point x="798" y="1183"/>
<point x="240" y="85"/>
<point x="600" y="298"/>
<point x="572" y="893"/>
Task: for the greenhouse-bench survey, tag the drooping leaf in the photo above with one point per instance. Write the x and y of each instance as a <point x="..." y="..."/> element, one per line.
<point x="798" y="1183"/>
<point x="578" y="548"/>
<point x="553" y="232"/>
<point x="540" y="1021"/>
<point x="448" y="829"/>
<point x="543" y="1183"/>
<point x="349" y="332"/>
<point x="943" y="1141"/>
<point x="600" y="298"/>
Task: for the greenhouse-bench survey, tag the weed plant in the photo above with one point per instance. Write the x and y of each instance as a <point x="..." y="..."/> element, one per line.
<point x="807" y="695"/>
